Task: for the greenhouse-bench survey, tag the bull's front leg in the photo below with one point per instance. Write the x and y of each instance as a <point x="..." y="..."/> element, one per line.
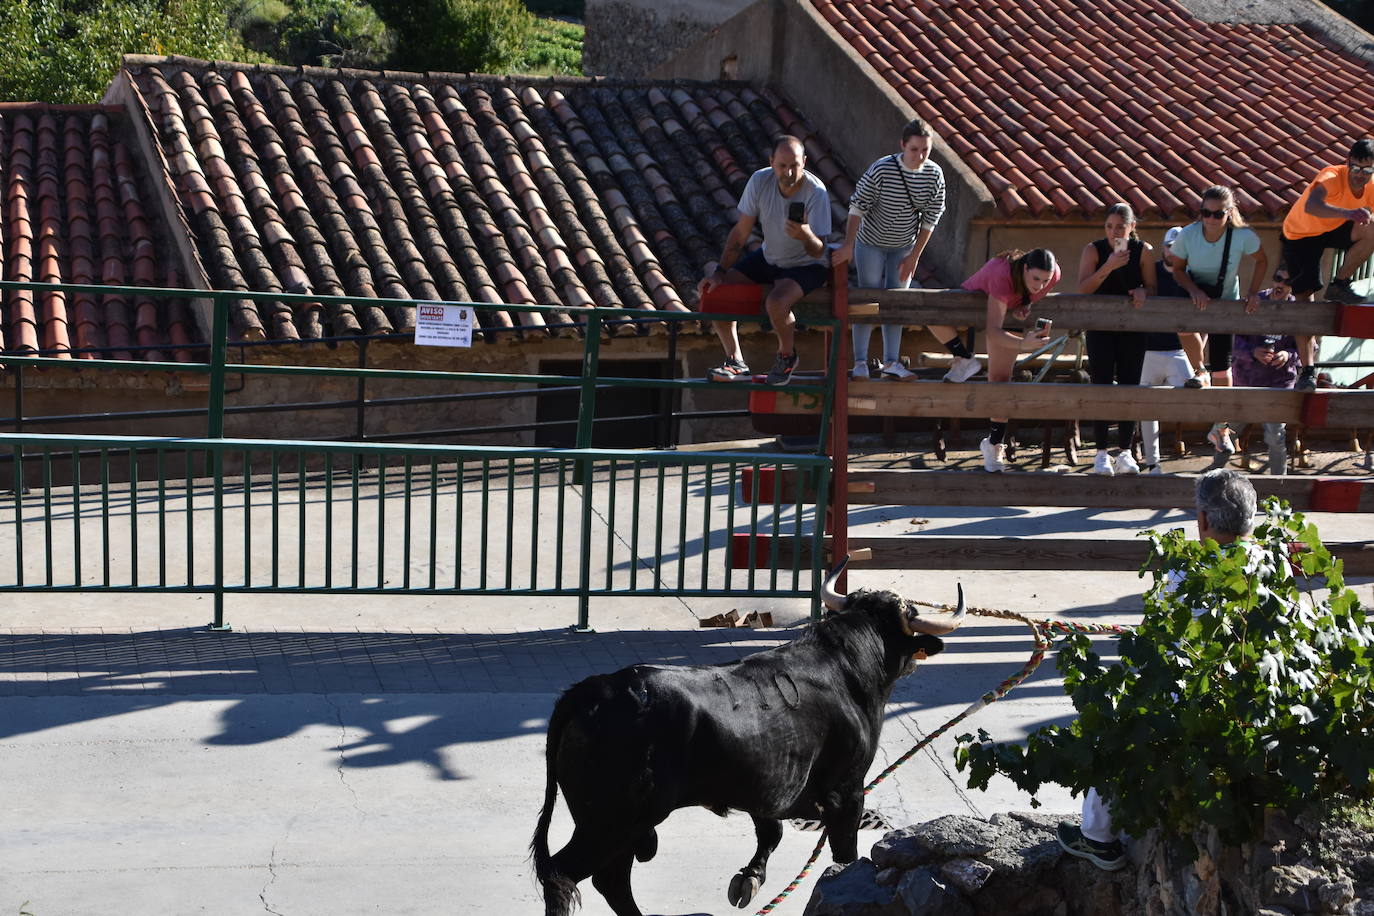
<point x="747" y="881"/>
<point x="840" y="814"/>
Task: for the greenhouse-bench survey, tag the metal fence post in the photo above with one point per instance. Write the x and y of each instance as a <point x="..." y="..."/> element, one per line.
<point x="586" y="414"/>
<point x="215" y="430"/>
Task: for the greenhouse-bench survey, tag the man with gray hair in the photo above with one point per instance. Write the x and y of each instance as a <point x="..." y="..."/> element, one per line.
<point x="1225" y="503"/>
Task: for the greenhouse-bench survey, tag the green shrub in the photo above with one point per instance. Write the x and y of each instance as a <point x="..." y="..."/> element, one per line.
<point x="333" y="33"/>
<point x="484" y="36"/>
<point x="67" y="51"/>
<point x="1261" y="701"/>
<point x="554" y="48"/>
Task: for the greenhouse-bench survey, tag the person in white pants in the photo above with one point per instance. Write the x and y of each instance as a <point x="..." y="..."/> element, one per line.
<point x="1225" y="502"/>
<point x="1166" y="363"/>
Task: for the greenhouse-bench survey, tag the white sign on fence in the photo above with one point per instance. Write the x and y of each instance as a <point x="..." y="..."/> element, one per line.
<point x="438" y="325"/>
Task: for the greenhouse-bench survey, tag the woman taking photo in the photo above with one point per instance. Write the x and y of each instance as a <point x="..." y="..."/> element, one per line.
<point x="1013" y="282"/>
<point x="1207" y="258"/>
<point x="1119" y="264"/>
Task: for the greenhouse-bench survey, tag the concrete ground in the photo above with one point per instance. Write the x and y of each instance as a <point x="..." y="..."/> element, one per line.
<point x="370" y="754"/>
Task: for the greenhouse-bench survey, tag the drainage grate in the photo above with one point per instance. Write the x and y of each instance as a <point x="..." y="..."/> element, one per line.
<point x="869" y="820"/>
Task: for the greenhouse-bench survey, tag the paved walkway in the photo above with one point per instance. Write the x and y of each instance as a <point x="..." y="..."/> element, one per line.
<point x="384" y="754"/>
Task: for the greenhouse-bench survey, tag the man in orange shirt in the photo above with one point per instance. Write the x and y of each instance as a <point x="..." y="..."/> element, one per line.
<point x="1334" y="212"/>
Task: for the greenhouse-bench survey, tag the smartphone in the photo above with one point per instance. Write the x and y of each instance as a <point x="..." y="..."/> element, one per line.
<point x="796" y="212"/>
<point x="1044" y="324"/>
<point x="1121" y="243"/>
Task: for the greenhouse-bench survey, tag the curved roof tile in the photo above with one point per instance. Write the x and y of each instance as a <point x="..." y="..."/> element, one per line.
<point x="73" y="209"/>
<point x="565" y="192"/>
<point x="1059" y="70"/>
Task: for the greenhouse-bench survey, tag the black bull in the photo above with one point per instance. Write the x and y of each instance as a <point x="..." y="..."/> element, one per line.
<point x="788" y="732"/>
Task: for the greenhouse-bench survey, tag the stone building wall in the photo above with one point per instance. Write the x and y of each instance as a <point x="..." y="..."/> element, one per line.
<point x="628" y="38"/>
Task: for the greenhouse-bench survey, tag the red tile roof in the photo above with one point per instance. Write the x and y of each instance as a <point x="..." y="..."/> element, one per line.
<point x="344" y="183"/>
<point x="1063" y="107"/>
<point x="76" y="209"/>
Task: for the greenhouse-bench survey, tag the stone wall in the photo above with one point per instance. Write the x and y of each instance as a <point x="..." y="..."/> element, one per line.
<point x="627" y="39"/>
<point x="1012" y="865"/>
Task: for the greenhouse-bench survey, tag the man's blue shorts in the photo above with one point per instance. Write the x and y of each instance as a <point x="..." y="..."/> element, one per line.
<point x="808" y="276"/>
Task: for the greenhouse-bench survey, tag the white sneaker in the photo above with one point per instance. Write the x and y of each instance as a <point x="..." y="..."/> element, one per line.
<point x="962" y="368"/>
<point x="992" y="456"/>
<point x="860" y="371"/>
<point x="1153" y="470"/>
<point x="1102" y="464"/>
<point x="896" y="370"/>
<point x="1125" y="464"/>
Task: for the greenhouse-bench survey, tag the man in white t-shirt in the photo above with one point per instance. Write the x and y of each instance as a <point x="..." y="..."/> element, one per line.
<point x="791" y="207"/>
<point x="1226" y="505"/>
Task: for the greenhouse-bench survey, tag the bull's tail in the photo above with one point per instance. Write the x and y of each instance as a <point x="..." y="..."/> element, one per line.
<point x="560" y="893"/>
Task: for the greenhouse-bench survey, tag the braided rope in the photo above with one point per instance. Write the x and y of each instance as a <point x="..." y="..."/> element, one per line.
<point x="1040" y="633"/>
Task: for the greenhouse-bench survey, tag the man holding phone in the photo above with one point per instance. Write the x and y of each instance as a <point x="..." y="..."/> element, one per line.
<point x="1334" y="212"/>
<point x="791" y="207"/>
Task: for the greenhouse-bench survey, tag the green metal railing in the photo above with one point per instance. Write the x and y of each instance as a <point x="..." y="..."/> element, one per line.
<point x="242" y="516"/>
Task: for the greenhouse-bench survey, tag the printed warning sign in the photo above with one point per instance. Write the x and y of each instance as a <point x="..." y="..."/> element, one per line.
<point x="438" y="325"/>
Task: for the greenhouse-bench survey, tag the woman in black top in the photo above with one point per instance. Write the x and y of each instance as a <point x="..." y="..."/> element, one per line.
<point x="1119" y="264"/>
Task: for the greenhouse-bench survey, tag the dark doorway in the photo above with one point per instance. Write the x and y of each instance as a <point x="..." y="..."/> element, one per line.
<point x="648" y="411"/>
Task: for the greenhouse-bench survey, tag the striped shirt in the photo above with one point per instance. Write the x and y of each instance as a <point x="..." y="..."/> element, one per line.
<point x="896" y="202"/>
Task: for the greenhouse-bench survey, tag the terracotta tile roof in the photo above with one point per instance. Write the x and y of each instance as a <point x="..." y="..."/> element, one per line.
<point x="1063" y="107"/>
<point x="76" y="209"/>
<point x="345" y="183"/>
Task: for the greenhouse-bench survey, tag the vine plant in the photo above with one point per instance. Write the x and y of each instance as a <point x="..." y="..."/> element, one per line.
<point x="1246" y="686"/>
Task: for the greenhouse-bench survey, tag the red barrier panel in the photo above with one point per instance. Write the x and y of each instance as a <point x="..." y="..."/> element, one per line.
<point x="740" y="544"/>
<point x="1314" y="408"/>
<point x="734" y="299"/>
<point x="1356" y="321"/>
<point x="1329" y="495"/>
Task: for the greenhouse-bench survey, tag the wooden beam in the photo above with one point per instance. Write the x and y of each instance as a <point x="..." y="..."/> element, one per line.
<point x="1043" y="553"/>
<point x="955" y="553"/>
<point x="912" y="307"/>
<point x="1067" y="401"/>
<point x="897" y="487"/>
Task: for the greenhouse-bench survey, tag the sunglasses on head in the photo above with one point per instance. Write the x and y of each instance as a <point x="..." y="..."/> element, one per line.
<point x="1212" y="214"/>
<point x="1362" y="169"/>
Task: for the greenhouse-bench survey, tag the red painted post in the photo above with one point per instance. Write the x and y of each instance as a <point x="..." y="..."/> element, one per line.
<point x="839" y="426"/>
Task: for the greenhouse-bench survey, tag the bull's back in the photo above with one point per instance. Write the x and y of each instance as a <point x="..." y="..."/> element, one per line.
<point x="727" y="736"/>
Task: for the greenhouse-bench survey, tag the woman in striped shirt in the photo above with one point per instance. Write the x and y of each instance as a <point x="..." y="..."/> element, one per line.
<point x="895" y="207"/>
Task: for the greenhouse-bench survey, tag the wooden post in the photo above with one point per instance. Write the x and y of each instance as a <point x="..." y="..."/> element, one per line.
<point x="839" y="425"/>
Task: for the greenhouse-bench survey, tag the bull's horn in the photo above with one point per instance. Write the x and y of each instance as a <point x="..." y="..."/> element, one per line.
<point x="829" y="597"/>
<point x="933" y="627"/>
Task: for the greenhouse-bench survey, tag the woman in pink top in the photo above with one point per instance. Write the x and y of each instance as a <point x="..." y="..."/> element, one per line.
<point x="1013" y="281"/>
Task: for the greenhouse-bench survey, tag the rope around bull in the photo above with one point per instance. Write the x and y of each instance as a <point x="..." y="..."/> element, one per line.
<point x="1040" y="630"/>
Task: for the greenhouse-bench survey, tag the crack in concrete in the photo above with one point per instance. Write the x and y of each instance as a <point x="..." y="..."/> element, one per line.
<point x="343" y="735"/>
<point x="272" y="872"/>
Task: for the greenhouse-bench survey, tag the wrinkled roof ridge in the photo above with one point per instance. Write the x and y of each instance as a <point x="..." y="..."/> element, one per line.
<point x="138" y="61"/>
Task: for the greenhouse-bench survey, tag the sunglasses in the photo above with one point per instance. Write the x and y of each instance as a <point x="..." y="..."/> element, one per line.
<point x="1212" y="214"/>
<point x="1282" y="281"/>
<point x="1362" y="169"/>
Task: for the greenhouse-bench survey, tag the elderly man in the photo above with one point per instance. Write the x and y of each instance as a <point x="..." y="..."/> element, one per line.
<point x="1225" y="503"/>
<point x="790" y="205"/>
<point x="1334" y="212"/>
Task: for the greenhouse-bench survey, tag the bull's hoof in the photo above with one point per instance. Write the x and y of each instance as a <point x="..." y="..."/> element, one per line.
<point x="743" y="887"/>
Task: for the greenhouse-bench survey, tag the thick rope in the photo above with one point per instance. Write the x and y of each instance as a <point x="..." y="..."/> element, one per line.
<point x="1040" y="633"/>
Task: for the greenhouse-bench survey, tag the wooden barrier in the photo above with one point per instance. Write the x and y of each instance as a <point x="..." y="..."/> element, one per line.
<point x="1043" y="401"/>
<point x="913" y="307"/>
<point x="1035" y="553"/>
<point x="897" y="487"/>
<point x="1060" y="401"/>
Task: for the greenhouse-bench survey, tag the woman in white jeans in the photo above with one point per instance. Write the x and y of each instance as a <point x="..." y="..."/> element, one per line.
<point x="1166" y="363"/>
